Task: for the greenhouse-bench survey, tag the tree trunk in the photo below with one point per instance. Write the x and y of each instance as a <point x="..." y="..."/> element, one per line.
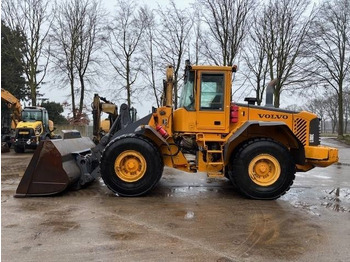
<point x="340" y="113"/>
<point x="82" y="93"/>
<point x="32" y="84"/>
<point x="128" y="85"/>
<point x="334" y="125"/>
<point x="73" y="97"/>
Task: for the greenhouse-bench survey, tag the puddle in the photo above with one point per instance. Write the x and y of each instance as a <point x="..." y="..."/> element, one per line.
<point x="337" y="200"/>
<point x="342" y="164"/>
<point x="311" y="209"/>
<point x="189" y="215"/>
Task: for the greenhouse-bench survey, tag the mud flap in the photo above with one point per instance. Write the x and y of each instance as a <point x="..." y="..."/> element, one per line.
<point x="53" y="167"/>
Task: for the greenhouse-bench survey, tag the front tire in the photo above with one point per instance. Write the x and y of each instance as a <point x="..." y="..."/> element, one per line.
<point x="131" y="165"/>
<point x="19" y="149"/>
<point x="263" y="169"/>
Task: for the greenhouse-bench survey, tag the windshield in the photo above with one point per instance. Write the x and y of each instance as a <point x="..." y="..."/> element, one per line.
<point x="32" y="115"/>
<point x="187" y="95"/>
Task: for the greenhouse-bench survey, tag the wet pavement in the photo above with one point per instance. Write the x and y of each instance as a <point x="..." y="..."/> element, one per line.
<point x="187" y="217"/>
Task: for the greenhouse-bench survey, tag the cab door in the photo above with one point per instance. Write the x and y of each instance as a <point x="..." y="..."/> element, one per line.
<point x="211" y="102"/>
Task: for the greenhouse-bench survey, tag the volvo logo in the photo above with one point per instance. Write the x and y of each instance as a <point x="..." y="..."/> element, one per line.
<point x="271" y="116"/>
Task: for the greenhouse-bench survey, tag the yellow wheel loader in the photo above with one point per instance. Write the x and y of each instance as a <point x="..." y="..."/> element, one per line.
<point x="259" y="148"/>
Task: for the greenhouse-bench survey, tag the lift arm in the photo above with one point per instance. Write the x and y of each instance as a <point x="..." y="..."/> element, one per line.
<point x="13" y="104"/>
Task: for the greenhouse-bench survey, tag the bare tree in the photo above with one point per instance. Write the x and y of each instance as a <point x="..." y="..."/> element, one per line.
<point x="90" y="41"/>
<point x="284" y="26"/>
<point x="255" y="58"/>
<point x="227" y="22"/>
<point x="77" y="36"/>
<point x="172" y="42"/>
<point x="125" y="33"/>
<point x="318" y="106"/>
<point x="149" y="56"/>
<point x="32" y="19"/>
<point x="332" y="107"/>
<point x="64" y="39"/>
<point x="331" y="49"/>
<point x="346" y="110"/>
<point x="197" y="34"/>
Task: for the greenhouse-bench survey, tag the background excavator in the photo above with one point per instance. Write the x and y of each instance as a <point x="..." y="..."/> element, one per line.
<point x="102" y="105"/>
<point x="9" y="122"/>
<point x="259" y="148"/>
<point x="28" y="126"/>
<point x="101" y="127"/>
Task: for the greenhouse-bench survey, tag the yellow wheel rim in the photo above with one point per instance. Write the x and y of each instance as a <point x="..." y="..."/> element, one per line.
<point x="130" y="166"/>
<point x="264" y="170"/>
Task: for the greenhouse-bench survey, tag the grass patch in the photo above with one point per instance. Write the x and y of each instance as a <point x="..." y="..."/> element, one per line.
<point x="345" y="139"/>
<point x="328" y="135"/>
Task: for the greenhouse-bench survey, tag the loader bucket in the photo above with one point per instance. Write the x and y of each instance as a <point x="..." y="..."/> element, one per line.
<point x="53" y="168"/>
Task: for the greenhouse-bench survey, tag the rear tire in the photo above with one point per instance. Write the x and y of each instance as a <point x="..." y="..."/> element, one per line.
<point x="131" y="165"/>
<point x="263" y="169"/>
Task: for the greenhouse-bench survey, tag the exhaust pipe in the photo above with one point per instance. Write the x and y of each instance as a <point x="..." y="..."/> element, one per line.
<point x="269" y="93"/>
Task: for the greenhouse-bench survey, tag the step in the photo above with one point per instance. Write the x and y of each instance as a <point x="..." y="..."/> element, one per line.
<point x="215" y="174"/>
<point x="215" y="163"/>
<point x="214" y="151"/>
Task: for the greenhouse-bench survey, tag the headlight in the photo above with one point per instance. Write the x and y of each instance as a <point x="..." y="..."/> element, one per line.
<point x="37" y="130"/>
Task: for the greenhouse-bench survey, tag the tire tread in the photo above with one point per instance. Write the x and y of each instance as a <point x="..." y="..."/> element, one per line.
<point x="233" y="177"/>
<point x="149" y="142"/>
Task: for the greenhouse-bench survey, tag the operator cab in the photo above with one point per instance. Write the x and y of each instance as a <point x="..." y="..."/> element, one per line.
<point x="204" y="103"/>
<point x="211" y="92"/>
<point x="31" y="115"/>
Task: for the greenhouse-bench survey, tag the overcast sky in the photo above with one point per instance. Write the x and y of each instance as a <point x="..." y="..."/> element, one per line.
<point x="181" y="3"/>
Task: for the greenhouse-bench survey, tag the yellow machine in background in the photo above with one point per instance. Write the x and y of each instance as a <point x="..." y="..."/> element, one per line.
<point x="33" y="127"/>
<point x="14" y="105"/>
<point x="258" y="148"/>
<point x="29" y="125"/>
<point x="101" y="127"/>
<point x="102" y="105"/>
<point x="105" y="126"/>
<point x="8" y="129"/>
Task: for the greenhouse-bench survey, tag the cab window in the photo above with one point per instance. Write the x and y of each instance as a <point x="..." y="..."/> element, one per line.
<point x="187" y="97"/>
<point x="31" y="116"/>
<point x="212" y="92"/>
